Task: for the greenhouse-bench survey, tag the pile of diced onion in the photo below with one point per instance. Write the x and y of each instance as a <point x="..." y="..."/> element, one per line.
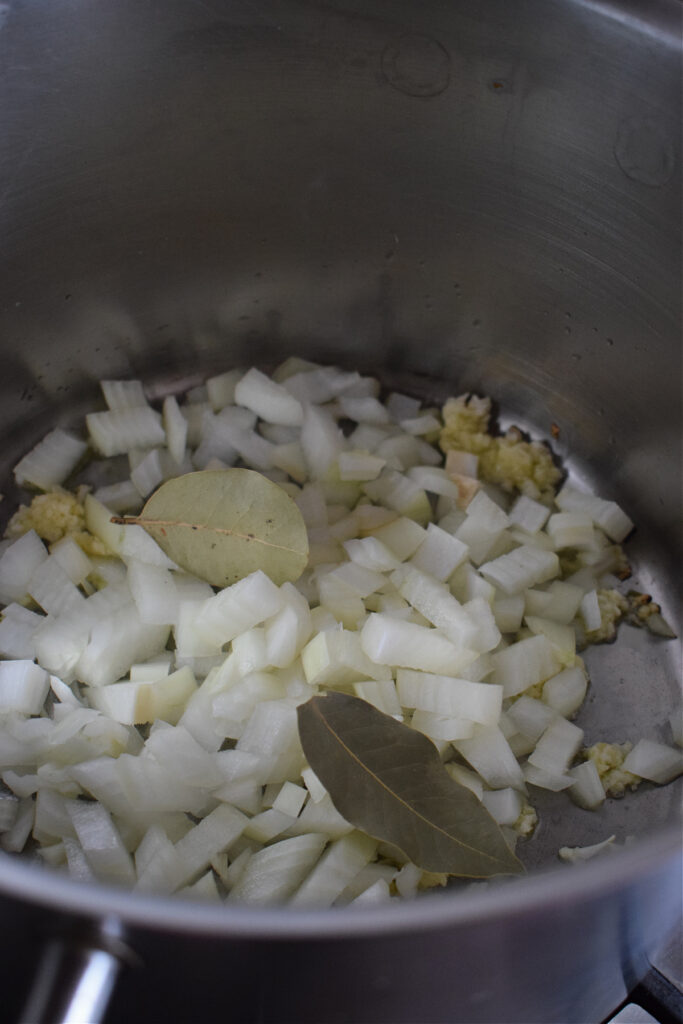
<point x="148" y="726"/>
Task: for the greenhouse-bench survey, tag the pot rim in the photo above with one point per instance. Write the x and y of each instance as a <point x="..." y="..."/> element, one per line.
<point x="544" y="889"/>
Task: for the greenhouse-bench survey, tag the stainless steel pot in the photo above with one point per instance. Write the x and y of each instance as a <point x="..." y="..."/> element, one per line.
<point x="465" y="195"/>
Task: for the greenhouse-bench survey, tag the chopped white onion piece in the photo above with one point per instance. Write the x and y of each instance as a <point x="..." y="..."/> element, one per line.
<point x="489" y="753"/>
<point x="51" y="461"/>
<point x="571" y="530"/>
<point x="267" y="825"/>
<point x="480" y="540"/>
<point x="489" y="515"/>
<point x="388" y="641"/>
<point x="14" y="840"/>
<point x="362" y="581"/>
<point x="486" y="635"/>
<point x="524" y="567"/>
<point x="101" y="842"/>
<point x="559" y="602"/>
<point x="17" y="632"/>
<point x="249" y="650"/>
<point x="289" y="629"/>
<point x="232" y="707"/>
<point x="402" y="536"/>
<point x="18" y="563"/>
<point x="401" y="451"/>
<point x="606" y="514"/>
<point x="400" y="493"/>
<point x="531" y="717"/>
<point x="508" y="612"/>
<point x="123" y="394"/>
<point x="656" y="762"/>
<point x="321" y="816"/>
<point x="273" y="734"/>
<point x="364" y="410"/>
<point x="335" y="869"/>
<point x="290" y="459"/>
<point x="119" y="432"/>
<point x="524" y="664"/>
<point x="312" y="383"/>
<point x="466" y="778"/>
<point x="336" y="658"/>
<point x="440" y="553"/>
<point x="590" y="610"/>
<point x="504" y="805"/>
<point x="566" y="691"/>
<point x="117" y="643"/>
<point x="148" y="473"/>
<point x="221" y="388"/>
<point x="23" y="687"/>
<point x="204" y="888"/>
<point x="462" y="464"/>
<point x="154" y="591"/>
<point x="588" y="791"/>
<point x="321" y="440"/>
<point x="290" y="799"/>
<point x="442" y="728"/>
<point x="371" y="553"/>
<point x="269" y="400"/>
<point x="370" y="885"/>
<point x="447" y="696"/>
<point x="72" y="559"/>
<point x="359" y="465"/>
<point x="562" y="638"/>
<point x="420" y="425"/>
<point x="576" y="854"/>
<point x="434" y="480"/>
<point x="546" y="779"/>
<point x="238" y="607"/>
<point x="313" y="785"/>
<point x="59" y="643"/>
<point x="175" y="426"/>
<point x="466" y="584"/>
<point x="529" y="515"/>
<point x="557" y="747"/>
<point x="273" y="874"/>
<point x="51" y="588"/>
<point x="381" y="693"/>
<point x="214" y="833"/>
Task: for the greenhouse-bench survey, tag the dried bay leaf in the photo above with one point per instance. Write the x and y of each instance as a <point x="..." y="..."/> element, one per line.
<point x="221" y="525"/>
<point x="388" y="780"/>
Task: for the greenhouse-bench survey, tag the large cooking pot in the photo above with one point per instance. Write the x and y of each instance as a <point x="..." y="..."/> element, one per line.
<point x="465" y="195"/>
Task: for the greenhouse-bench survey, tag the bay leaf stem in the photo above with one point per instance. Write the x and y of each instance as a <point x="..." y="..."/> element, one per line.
<point x="144" y="521"/>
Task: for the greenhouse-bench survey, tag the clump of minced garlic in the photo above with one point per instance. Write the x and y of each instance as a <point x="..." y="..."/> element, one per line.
<point x="515" y="464"/>
<point x="613" y="606"/>
<point x="608" y="758"/>
<point x="507" y="460"/>
<point x="54" y="515"/>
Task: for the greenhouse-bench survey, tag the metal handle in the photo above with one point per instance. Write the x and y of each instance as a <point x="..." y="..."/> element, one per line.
<point x="75" y="979"/>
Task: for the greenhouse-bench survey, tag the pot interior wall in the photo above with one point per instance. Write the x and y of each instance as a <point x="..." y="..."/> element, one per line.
<point x="454" y="197"/>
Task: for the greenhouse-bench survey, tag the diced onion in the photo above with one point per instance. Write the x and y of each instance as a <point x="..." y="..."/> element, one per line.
<point x="172" y="709"/>
<point x="51" y="461"/>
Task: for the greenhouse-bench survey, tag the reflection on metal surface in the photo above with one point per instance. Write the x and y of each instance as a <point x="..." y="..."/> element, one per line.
<point x="630" y="15"/>
<point x="73" y="986"/>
